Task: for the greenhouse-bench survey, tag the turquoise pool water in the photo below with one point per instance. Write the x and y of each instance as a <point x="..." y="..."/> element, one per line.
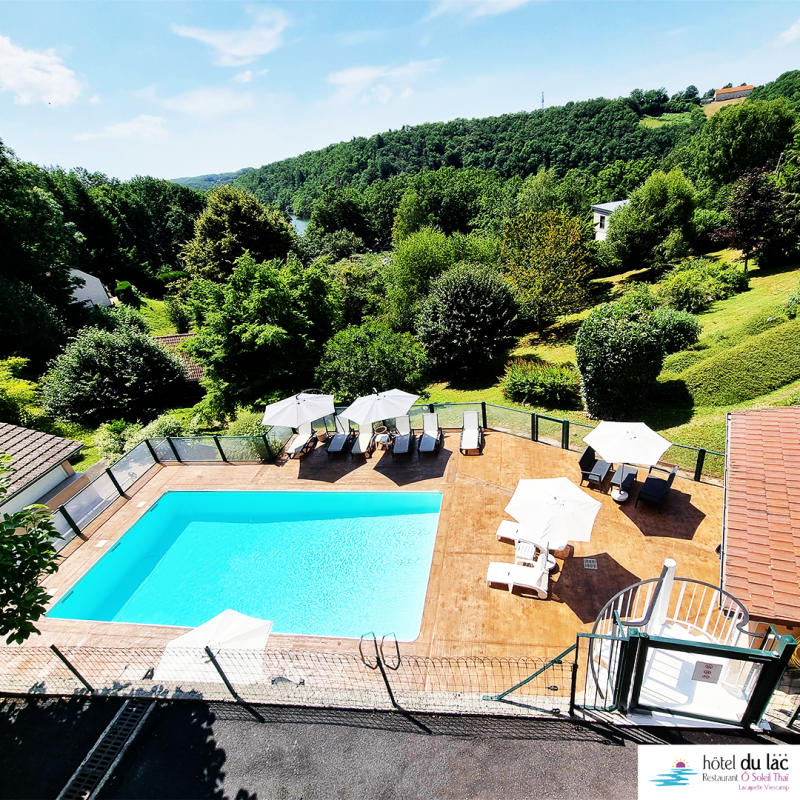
<point x="317" y="563"/>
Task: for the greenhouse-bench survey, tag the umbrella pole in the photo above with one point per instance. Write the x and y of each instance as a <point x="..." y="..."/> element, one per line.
<point x="230" y="688"/>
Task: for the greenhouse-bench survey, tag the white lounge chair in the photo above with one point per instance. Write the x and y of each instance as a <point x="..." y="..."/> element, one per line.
<point x="364" y="444"/>
<point x="430" y="440"/>
<point x="304" y="442"/>
<point x="339" y="442"/>
<point x="471" y="433"/>
<point x="403" y="440"/>
<point x="514" y="532"/>
<point x="536" y="578"/>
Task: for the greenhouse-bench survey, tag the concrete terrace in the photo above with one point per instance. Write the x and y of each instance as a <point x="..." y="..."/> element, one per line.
<point x="462" y="616"/>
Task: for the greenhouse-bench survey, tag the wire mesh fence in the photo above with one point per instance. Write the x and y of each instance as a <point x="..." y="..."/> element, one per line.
<point x="290" y="677"/>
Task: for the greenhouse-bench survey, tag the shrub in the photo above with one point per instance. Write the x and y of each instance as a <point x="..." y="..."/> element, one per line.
<point x="679" y="329"/>
<point x="678" y="362"/>
<point x="541" y="384"/>
<point x="793" y="304"/>
<point x="177" y="314"/>
<point x="368" y="356"/>
<point x="620" y="353"/>
<point x="16" y="394"/>
<point x="126" y="293"/>
<point x="103" y="375"/>
<point x="247" y="423"/>
<point x="113" y="439"/>
<point x="467" y="319"/>
<point x="110" y="439"/>
<point x="115" y="317"/>
<point x="757" y="367"/>
<point x="695" y="284"/>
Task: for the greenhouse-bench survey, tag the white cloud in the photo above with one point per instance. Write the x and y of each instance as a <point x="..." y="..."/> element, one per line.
<point x="94" y="99"/>
<point x="790" y="34"/>
<point x="237" y="48"/>
<point x="36" y="76"/>
<point x="477" y="8"/>
<point x="362" y="82"/>
<point x="243" y="77"/>
<point x="143" y="127"/>
<point x="406" y="93"/>
<point x="355" y="38"/>
<point x="209" y="102"/>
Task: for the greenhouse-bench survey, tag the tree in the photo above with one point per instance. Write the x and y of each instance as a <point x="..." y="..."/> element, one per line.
<point x="360" y="358"/>
<point x="341" y="209"/>
<point x="412" y="215"/>
<point x="16" y="394"/>
<point x="27" y="555"/>
<point x="111" y="374"/>
<point x="538" y="193"/>
<point x="260" y="334"/>
<point x="232" y="223"/>
<point x="753" y="214"/>
<point x="546" y="261"/>
<point x="467" y="319"/>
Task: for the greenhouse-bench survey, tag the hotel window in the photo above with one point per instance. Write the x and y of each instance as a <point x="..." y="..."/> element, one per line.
<point x="602" y="223"/>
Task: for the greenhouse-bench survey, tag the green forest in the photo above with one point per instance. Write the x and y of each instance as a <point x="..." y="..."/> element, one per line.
<point x="433" y="254"/>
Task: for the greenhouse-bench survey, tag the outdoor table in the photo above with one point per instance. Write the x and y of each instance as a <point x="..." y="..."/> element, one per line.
<point x="624" y="478"/>
<point x="382" y="441"/>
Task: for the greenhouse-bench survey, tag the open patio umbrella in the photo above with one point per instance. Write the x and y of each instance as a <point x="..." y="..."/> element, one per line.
<point x="627" y="443"/>
<point x="553" y="510"/>
<point x="298" y="409"/>
<point x="379" y="405"/>
<point x="237" y="641"/>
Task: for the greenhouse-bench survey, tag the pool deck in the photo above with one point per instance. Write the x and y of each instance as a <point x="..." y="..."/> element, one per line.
<point x="462" y="616"/>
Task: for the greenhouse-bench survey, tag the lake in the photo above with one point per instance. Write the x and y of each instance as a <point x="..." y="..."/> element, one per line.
<point x="300" y="225"/>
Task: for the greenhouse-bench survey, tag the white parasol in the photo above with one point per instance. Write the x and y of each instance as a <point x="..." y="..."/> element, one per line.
<point x="298" y="409"/>
<point x="627" y="443"/>
<point x="553" y="510"/>
<point x="379" y="405"/>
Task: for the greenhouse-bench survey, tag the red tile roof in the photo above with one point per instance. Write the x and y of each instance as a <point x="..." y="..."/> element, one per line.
<point x="34" y="454"/>
<point x="762" y="512"/>
<point x="735" y="89"/>
<point x="173" y="343"/>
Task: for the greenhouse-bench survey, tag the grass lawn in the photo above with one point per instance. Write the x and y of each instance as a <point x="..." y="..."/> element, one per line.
<point x="725" y="324"/>
<point x="155" y="312"/>
<point x="666" y="119"/>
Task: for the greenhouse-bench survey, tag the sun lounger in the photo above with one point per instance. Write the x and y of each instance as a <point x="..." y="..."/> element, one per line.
<point x="341" y="440"/>
<point x="593" y="470"/>
<point x="536" y="578"/>
<point x="471" y="433"/>
<point x="654" y="489"/>
<point x="364" y="445"/>
<point x="304" y="442"/>
<point x="403" y="439"/>
<point x="514" y="532"/>
<point x="430" y="440"/>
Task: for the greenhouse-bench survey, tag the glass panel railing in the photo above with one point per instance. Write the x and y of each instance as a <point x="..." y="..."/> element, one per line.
<point x="714" y="466"/>
<point x="508" y="420"/>
<point x="577" y="430"/>
<point x="92" y="500"/>
<point x="278" y="436"/>
<point x="451" y="415"/>
<point x="162" y="450"/>
<point x="133" y="465"/>
<point x="550" y="430"/>
<point x="65" y="529"/>
<point x="196" y="448"/>
<point x="244" y="448"/>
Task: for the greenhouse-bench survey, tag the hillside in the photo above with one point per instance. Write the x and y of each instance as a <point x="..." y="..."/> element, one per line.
<point x="205" y="182"/>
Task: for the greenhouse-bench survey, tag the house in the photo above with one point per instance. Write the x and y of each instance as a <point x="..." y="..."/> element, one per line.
<point x="601" y="212"/>
<point x="173" y="343"/>
<point x="732" y="93"/>
<point x="92" y="293"/>
<point x="41" y="466"/>
<point x="761" y="516"/>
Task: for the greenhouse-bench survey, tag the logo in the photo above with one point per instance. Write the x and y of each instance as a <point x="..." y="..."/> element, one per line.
<point x="678" y="776"/>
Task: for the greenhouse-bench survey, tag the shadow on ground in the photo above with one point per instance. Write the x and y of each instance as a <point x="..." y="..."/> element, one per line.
<point x="675" y="517"/>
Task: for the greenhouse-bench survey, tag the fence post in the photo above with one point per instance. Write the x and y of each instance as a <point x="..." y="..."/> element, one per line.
<point x="114" y="481"/>
<point x="430" y="408"/>
<point x="71" y="522"/>
<point x="72" y="669"/>
<point x="534" y="426"/>
<point x="270" y="454"/>
<point x="565" y="434"/>
<point x="483" y="414"/>
<point x="152" y="451"/>
<point x="701" y="460"/>
<point x="174" y="451"/>
<point x="230" y="688"/>
<point x="221" y="451"/>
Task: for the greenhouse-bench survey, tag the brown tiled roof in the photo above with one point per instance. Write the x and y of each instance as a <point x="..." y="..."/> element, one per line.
<point x="735" y="89"/>
<point x="762" y="512"/>
<point x="34" y="453"/>
<point x="172" y="342"/>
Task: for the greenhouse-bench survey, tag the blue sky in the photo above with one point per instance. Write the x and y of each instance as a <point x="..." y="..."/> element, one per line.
<point x="186" y="88"/>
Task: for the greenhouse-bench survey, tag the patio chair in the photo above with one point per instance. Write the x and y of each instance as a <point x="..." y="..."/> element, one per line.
<point x="430" y="440"/>
<point x="654" y="489"/>
<point x="403" y="438"/>
<point x="593" y="470"/>
<point x="364" y="445"/>
<point x="340" y="440"/>
<point x="471" y="433"/>
<point x="536" y="577"/>
<point x="304" y="442"/>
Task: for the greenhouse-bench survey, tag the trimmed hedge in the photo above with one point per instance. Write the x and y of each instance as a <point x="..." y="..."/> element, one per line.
<point x="552" y="385"/>
<point x="759" y="366"/>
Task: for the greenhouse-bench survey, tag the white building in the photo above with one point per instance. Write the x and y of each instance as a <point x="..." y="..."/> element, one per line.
<point x="731" y="94"/>
<point x="92" y="292"/>
<point x="602" y="212"/>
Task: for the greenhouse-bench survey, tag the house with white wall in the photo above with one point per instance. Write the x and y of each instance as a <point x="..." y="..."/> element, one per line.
<point x="601" y="213"/>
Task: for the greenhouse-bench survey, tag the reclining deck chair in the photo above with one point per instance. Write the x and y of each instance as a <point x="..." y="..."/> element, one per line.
<point x="536" y="577"/>
<point x="430" y="440"/>
<point x="471" y="433"/>
<point x="340" y="440"/>
<point x="403" y="440"/>
<point x="364" y="445"/>
<point x="304" y="442"/>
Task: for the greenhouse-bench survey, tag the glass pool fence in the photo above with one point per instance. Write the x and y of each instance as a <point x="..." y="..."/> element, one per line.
<point x="89" y="503"/>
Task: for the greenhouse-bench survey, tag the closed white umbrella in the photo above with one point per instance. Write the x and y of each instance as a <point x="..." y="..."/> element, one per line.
<point x="627" y="443"/>
<point x="298" y="409"/>
<point x="236" y="640"/>
<point x="379" y="405"/>
<point x="553" y="510"/>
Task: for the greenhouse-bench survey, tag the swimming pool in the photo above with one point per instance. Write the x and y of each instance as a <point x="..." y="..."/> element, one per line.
<point x="316" y="563"/>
